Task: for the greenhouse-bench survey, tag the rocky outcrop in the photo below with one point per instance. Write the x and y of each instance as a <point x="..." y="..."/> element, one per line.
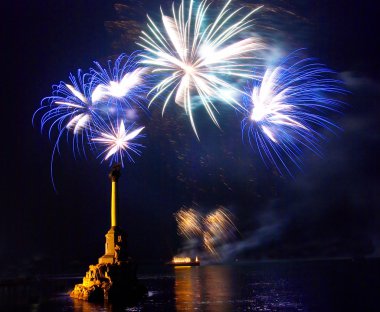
<point x="109" y="282"/>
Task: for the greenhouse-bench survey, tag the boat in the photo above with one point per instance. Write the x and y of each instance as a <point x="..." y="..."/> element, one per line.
<point x="184" y="261"/>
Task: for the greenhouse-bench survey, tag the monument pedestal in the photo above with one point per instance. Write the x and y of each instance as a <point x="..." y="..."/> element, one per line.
<point x="114" y="277"/>
<point x="115" y="247"/>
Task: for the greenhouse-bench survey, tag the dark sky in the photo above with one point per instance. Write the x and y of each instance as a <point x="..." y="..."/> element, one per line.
<point x="329" y="209"/>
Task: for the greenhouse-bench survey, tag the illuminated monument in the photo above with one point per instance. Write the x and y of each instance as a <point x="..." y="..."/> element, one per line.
<point x="114" y="277"/>
<point x="115" y="248"/>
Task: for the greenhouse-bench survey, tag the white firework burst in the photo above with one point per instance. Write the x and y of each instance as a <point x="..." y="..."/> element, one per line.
<point x="197" y="58"/>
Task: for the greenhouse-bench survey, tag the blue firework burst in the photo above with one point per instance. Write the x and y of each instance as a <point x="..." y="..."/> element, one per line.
<point x="290" y="108"/>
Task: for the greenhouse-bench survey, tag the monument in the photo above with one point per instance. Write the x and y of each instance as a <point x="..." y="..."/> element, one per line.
<point x="114" y="277"/>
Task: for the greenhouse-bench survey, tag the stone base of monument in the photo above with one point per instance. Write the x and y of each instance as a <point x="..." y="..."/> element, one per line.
<point x="114" y="277"/>
<point x="113" y="282"/>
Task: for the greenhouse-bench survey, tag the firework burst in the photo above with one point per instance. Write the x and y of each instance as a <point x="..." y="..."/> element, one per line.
<point x="70" y="107"/>
<point x="122" y="84"/>
<point x="93" y="109"/>
<point x="289" y="108"/>
<point x="197" y="59"/>
<point x="219" y="229"/>
<point x="189" y="222"/>
<point x="118" y="142"/>
<point x="70" y="110"/>
<point x="214" y="230"/>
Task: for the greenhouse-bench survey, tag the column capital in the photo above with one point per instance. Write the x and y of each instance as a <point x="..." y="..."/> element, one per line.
<point x="115" y="172"/>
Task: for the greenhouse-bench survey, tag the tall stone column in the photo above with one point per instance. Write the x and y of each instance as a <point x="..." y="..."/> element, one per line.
<point x="115" y="247"/>
<point x="114" y="175"/>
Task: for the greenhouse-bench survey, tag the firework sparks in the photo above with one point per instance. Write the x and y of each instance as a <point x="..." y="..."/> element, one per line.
<point x="215" y="229"/>
<point x="219" y="229"/>
<point x="70" y="107"/>
<point x="209" y="243"/>
<point x="196" y="59"/>
<point x="91" y="104"/>
<point x="118" y="142"/>
<point x="189" y="222"/>
<point x="288" y="108"/>
<point x="71" y="110"/>
<point x="91" y="98"/>
<point x="121" y="83"/>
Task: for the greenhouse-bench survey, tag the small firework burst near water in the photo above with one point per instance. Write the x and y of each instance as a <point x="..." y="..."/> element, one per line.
<point x="218" y="229"/>
<point x="189" y="223"/>
<point x="199" y="61"/>
<point x="289" y="109"/>
<point x="214" y="230"/>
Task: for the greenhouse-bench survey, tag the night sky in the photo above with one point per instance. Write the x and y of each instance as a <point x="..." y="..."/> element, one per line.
<point x="329" y="209"/>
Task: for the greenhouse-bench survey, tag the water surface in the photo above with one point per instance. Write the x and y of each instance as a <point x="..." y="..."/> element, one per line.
<point x="343" y="285"/>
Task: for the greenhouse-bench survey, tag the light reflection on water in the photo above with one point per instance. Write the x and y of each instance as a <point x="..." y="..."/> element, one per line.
<point x="224" y="288"/>
<point x="218" y="288"/>
<point x="197" y="287"/>
<point x="281" y="287"/>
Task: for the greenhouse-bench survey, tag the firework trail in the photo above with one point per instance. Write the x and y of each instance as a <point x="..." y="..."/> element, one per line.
<point x="197" y="60"/>
<point x="289" y="108"/>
